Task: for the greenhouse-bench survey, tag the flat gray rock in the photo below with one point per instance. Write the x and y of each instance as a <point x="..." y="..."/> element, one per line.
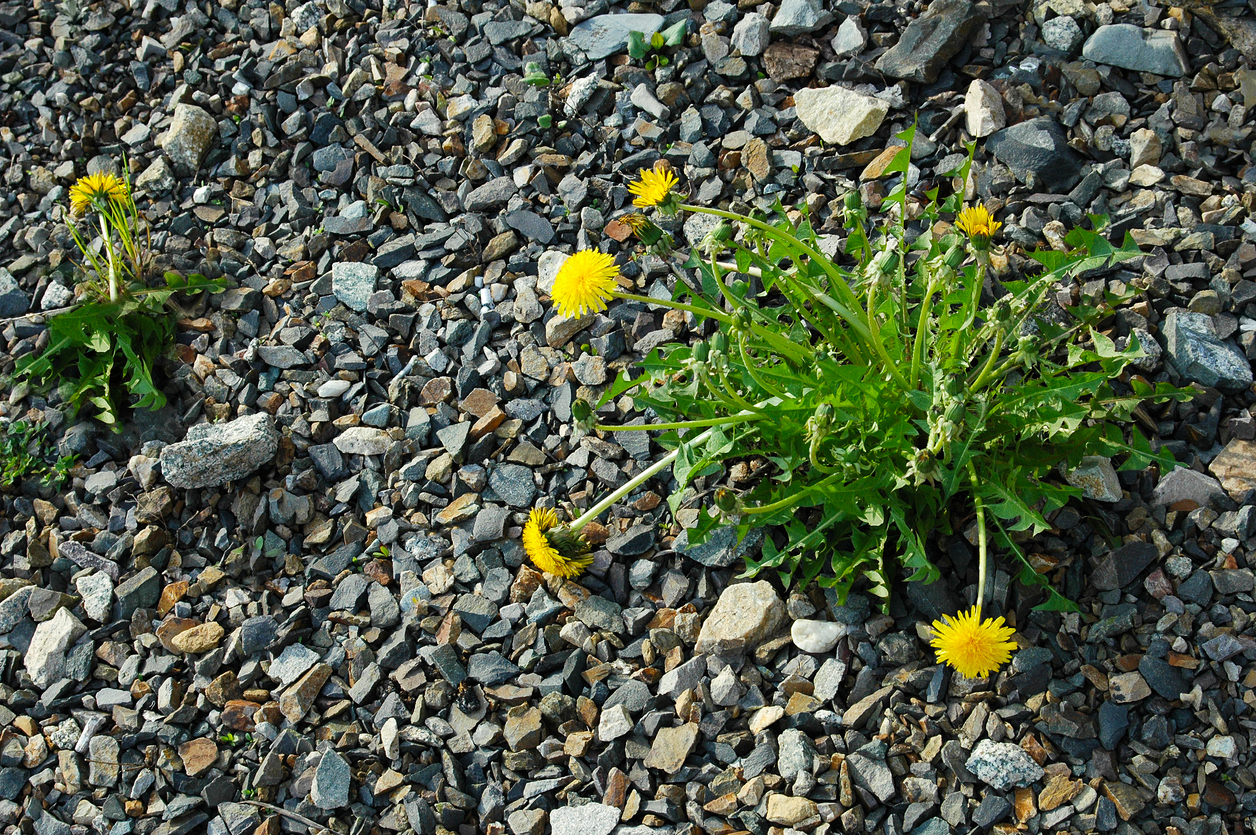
<point x="589" y="819"/>
<point x="606" y="34"/>
<point x="214" y="454"/>
<point x="1135" y="48"/>
<point x="352" y="283"/>
<point x="1003" y="765"/>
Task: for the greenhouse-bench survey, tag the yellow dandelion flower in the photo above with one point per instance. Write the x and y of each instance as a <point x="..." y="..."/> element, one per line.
<point x="974" y="647"/>
<point x="553" y="549"/>
<point x="978" y="224"/>
<point x="584" y="282"/>
<point x="653" y="187"/>
<point x="100" y="191"/>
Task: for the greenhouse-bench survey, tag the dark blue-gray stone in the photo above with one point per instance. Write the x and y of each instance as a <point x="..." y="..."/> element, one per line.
<point x="1038" y="153"/>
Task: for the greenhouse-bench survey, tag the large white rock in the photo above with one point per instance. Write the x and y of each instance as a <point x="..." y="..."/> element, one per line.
<point x="745" y="615"/>
<point x="215" y="453"/>
<point x="45" y="659"/>
<point x="839" y="115"/>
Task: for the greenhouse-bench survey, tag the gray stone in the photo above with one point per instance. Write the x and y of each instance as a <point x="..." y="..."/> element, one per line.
<point x="513" y="484"/>
<point x="931" y="40"/>
<point x="292" y="663"/>
<point x="796" y="754"/>
<point x="157" y="178"/>
<point x="138" y="592"/>
<point x="797" y="17"/>
<point x="1097" y="479"/>
<point x="633" y="542"/>
<point x="1186" y="485"/>
<point x="1003" y="765"/>
<point x="869" y="771"/>
<point x="493" y="193"/>
<point x="1062" y="33"/>
<point x="330" y="788"/>
<point x="1119" y="568"/>
<point x="13" y="302"/>
<point x="491" y="668"/>
<point x="46" y="656"/>
<point x="721" y="548"/>
<point x="1038" y="153"/>
<point x="353" y="283"/>
<point x="192" y="132"/>
<point x="589" y="819"/>
<point x="839" y="115"/>
<point x="1168" y="681"/>
<point x="1195" y="351"/>
<point x="213" y="454"/>
<point x="751" y="35"/>
<point x="1132" y="47"/>
<point x="682" y="677"/>
<point x="604" y="35"/>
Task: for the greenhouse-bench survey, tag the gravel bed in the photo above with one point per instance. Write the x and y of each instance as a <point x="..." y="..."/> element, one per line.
<point x="295" y="597"/>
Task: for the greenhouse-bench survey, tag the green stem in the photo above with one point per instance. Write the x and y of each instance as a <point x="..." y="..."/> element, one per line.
<point x="754" y="375"/>
<point x="982" y="552"/>
<point x="113" y="267"/>
<point x="731" y="391"/>
<point x="791" y="499"/>
<point x="710" y="313"/>
<point x="922" y="328"/>
<point x="684" y="424"/>
<point x="988" y="371"/>
<point x="632" y="484"/>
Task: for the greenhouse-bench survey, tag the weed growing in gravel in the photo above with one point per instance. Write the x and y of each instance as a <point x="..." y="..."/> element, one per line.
<point x="118" y="326"/>
<point x="641" y="45"/>
<point x="884" y="398"/>
<point x="27" y="452"/>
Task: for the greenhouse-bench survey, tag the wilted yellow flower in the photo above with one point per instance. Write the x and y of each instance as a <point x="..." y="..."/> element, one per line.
<point x="978" y="224"/>
<point x="584" y="282"/>
<point x="974" y="647"/>
<point x="100" y="191"/>
<point x="635" y="222"/>
<point x="653" y="187"/>
<point x="552" y="548"/>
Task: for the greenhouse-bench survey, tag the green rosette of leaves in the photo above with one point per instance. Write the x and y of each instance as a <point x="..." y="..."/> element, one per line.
<point x="891" y="390"/>
<point x="103" y="349"/>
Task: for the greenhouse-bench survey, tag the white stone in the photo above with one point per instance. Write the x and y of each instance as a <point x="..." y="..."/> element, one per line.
<point x="816" y="636"/>
<point x="745" y="615"/>
<point x="1222" y="747"/>
<point x="334" y="388"/>
<point x="97" y="593"/>
<point x="839" y="115"/>
<point x="983" y="107"/>
<point x="363" y="440"/>
<point x="1146" y="175"/>
<point x="614" y="723"/>
<point x="1145" y="148"/>
<point x="45" y="658"/>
